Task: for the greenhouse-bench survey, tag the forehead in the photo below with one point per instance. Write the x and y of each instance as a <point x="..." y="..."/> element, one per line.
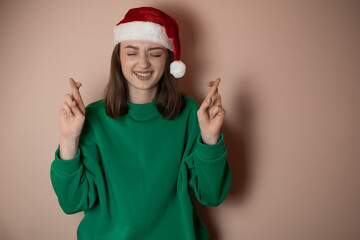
<point x="141" y="44"/>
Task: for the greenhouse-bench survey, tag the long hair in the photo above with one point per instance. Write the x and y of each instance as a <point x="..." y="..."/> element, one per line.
<point x="169" y="100"/>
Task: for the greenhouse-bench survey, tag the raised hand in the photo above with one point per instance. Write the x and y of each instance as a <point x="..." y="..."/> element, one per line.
<point x="211" y="115"/>
<point x="72" y="113"/>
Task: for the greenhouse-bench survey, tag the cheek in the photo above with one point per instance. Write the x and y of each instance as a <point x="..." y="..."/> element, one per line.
<point x="125" y="63"/>
<point x="161" y="64"/>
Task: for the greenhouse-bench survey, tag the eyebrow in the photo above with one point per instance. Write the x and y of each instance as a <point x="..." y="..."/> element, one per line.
<point x="136" y="48"/>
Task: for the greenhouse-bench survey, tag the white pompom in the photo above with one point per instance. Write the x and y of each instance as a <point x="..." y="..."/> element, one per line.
<point x="177" y="69"/>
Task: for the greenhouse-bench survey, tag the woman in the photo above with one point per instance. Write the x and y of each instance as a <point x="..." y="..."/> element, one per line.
<point x="130" y="160"/>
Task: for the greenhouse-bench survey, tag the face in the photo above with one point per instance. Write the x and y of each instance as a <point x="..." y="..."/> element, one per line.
<point x="143" y="65"/>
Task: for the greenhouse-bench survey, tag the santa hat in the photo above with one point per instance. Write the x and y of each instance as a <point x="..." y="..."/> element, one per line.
<point x="150" y="24"/>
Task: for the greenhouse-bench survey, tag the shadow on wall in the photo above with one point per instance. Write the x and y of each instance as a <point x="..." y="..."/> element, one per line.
<point x="4" y="234"/>
<point x="238" y="140"/>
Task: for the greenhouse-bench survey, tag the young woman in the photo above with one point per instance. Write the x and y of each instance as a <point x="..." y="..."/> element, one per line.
<point x="130" y="160"/>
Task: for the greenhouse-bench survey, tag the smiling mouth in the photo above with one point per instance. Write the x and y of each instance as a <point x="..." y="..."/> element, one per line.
<point x="147" y="74"/>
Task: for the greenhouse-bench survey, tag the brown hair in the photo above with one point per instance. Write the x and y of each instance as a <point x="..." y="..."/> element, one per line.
<point x="169" y="101"/>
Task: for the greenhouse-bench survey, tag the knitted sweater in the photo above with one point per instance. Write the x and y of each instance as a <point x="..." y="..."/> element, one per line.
<point x="132" y="176"/>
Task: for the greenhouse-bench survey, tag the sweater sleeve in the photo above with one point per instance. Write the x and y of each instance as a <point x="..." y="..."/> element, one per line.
<point x="209" y="173"/>
<point x="74" y="180"/>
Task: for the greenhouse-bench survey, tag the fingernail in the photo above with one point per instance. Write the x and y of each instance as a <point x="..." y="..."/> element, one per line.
<point x="74" y="103"/>
<point x="208" y="100"/>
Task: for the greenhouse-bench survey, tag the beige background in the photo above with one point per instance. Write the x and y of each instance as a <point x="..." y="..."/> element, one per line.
<point x="290" y="85"/>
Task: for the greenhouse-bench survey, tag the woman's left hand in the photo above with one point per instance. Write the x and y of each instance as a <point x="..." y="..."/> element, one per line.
<point x="211" y="115"/>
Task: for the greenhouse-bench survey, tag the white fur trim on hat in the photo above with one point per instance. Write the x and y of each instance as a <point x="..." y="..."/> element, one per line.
<point x="147" y="31"/>
<point x="177" y="69"/>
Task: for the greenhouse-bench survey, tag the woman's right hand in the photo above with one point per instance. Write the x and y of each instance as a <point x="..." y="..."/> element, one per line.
<point x="72" y="113"/>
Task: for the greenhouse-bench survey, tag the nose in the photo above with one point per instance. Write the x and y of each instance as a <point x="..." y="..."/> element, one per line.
<point x="144" y="61"/>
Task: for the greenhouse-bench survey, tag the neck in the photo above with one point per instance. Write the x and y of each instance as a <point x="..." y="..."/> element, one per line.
<point x="139" y="96"/>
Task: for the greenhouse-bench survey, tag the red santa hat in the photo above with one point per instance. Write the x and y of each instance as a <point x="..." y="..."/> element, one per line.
<point x="151" y="24"/>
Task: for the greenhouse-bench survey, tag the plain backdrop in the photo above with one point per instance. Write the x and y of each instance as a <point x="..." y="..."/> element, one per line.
<point x="290" y="87"/>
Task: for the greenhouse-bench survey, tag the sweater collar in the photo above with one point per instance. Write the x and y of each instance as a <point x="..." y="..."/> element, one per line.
<point x="143" y="112"/>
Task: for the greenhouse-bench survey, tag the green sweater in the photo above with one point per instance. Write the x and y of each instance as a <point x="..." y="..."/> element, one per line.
<point x="132" y="176"/>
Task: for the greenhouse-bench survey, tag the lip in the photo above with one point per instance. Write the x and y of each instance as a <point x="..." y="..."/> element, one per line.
<point x="143" y="72"/>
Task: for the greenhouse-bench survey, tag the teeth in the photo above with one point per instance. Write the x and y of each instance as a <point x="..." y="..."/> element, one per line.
<point x="143" y="74"/>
